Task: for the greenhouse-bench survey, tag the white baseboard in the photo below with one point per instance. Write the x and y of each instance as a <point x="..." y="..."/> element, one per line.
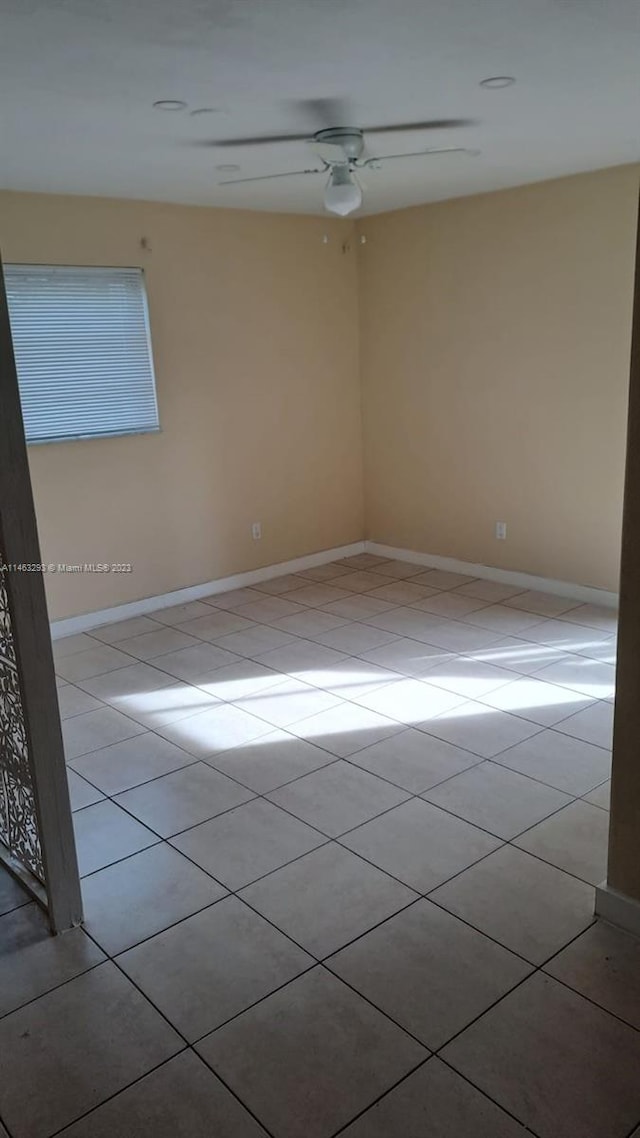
<point x="618" y="909"/>
<point x="585" y="593"/>
<point x="87" y="621"/>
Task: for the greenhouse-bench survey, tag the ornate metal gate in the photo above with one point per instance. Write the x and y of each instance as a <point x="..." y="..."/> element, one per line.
<point x="18" y="815"/>
<point x="36" y="831"/>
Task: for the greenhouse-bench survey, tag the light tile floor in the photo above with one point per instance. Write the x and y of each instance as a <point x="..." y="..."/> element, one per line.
<point x="339" y="834"/>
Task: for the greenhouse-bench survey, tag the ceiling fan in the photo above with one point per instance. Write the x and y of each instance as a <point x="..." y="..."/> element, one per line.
<point x="341" y="151"/>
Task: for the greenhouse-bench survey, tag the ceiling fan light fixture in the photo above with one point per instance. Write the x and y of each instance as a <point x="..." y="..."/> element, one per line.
<point x="342" y="193"/>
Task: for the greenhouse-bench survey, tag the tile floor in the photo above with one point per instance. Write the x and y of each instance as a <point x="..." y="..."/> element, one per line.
<point x="339" y="834"/>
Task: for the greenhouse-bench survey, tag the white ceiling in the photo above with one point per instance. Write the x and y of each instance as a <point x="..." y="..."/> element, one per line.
<point x="78" y="79"/>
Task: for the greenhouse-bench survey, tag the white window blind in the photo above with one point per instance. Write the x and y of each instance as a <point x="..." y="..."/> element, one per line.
<point x="83" y="351"/>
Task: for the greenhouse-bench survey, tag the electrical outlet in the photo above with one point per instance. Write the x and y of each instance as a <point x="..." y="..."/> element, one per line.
<point x="501" y="531"/>
<point x="256" y="531"/>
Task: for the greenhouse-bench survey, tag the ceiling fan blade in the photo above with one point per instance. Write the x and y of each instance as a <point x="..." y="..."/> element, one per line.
<point x="268" y="177"/>
<point x="328" y="151"/>
<point x="331" y="113"/>
<point x="371" y="163"/>
<point x="430" y="124"/>
<point x="325" y="113"/>
<point x="258" y="141"/>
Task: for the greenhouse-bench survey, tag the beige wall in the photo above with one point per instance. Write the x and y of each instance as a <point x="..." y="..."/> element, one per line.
<point x="492" y="339"/>
<point x="255" y="338"/>
<point x="495" y="337"/>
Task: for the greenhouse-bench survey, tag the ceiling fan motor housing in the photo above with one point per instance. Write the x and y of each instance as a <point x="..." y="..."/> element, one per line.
<point x="349" y="138"/>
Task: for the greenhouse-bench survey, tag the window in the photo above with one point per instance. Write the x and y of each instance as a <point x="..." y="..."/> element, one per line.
<point x="83" y="351"/>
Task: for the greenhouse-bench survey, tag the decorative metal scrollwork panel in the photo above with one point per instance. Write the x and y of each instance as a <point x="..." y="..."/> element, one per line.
<point x="18" y="818"/>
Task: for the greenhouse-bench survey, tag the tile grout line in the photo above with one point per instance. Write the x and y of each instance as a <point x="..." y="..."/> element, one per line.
<point x="88" y="1113"/>
<point x="188" y="1045"/>
<point x="408" y="1075"/>
<point x="512" y="840"/>
<point x="386" y="1092"/>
